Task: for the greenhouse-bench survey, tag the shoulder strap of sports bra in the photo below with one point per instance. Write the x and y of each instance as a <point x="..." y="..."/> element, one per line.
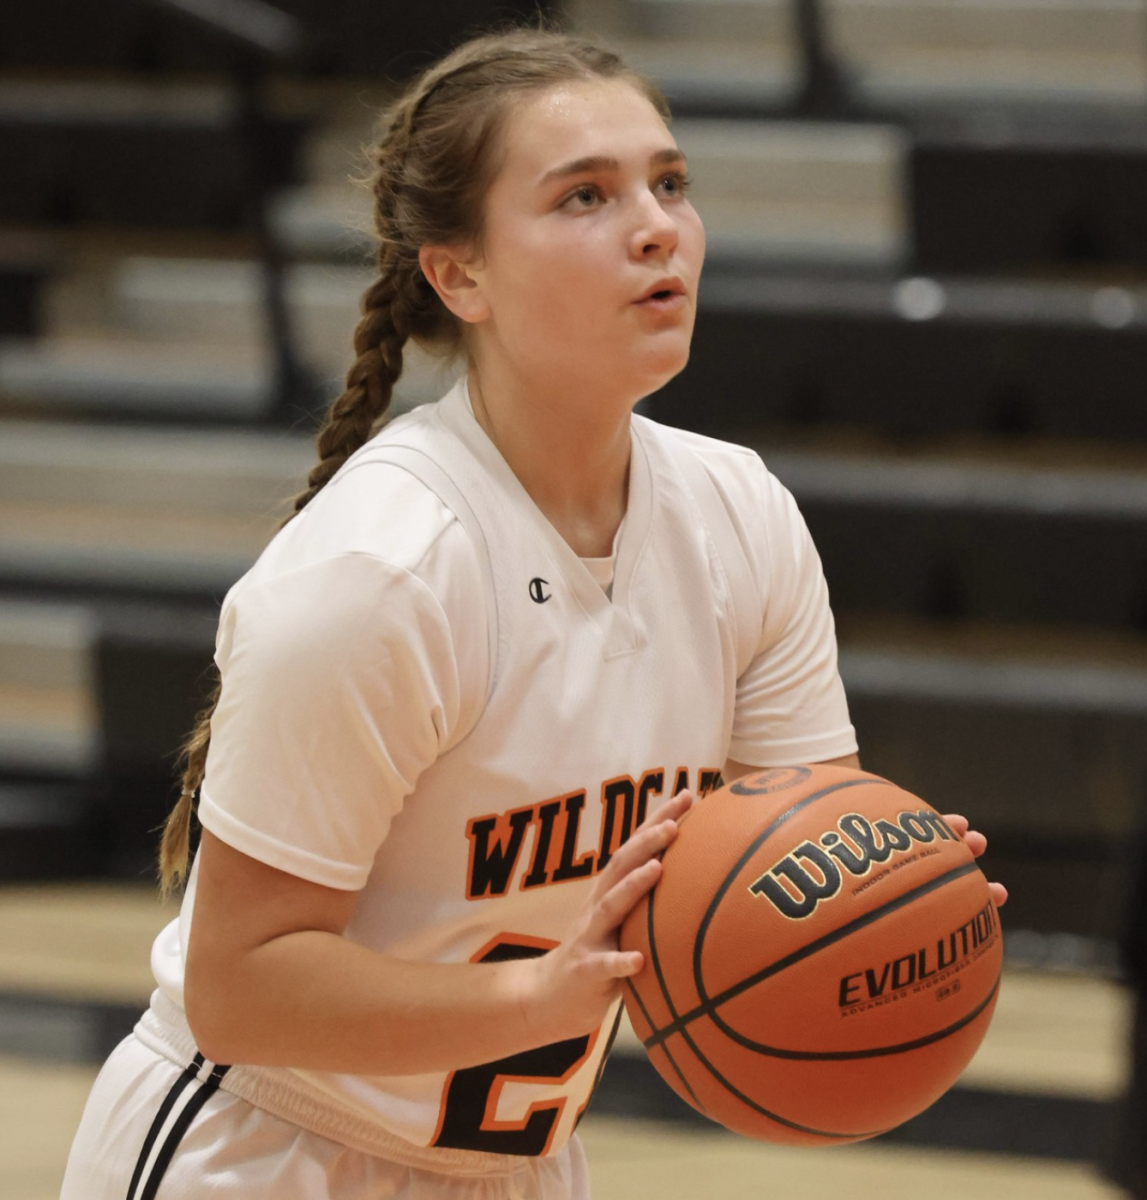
<point x="739" y="577"/>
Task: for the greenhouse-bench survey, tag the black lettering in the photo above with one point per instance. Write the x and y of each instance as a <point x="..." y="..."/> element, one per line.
<point x="805" y="892"/>
<point x="895" y="838"/>
<point x="962" y="933"/>
<point x="492" y="864"/>
<point x="855" y="827"/>
<point x="875" y="989"/>
<point x="681" y="780"/>
<point x="634" y="802"/>
<point x="915" y="826"/>
<point x="567" y="868"/>
<point x="942" y="960"/>
<point x="847" y="987"/>
<point x="901" y="979"/>
<point x="652" y="784"/>
<point x="613" y="792"/>
<point x="937" y="824"/>
<point x="708" y="781"/>
<point x="540" y="865"/>
<point x="848" y="854"/>
<point x="466" y="1121"/>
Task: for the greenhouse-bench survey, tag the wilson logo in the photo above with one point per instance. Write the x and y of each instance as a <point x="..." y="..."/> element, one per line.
<point x="814" y="872"/>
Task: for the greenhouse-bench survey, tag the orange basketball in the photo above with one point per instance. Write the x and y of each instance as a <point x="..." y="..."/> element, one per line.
<point x="822" y="957"/>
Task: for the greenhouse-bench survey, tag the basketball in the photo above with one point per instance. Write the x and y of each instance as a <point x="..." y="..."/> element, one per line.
<point x="822" y="957"/>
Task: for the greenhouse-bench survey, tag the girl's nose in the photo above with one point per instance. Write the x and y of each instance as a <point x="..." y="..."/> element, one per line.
<point x="655" y="232"/>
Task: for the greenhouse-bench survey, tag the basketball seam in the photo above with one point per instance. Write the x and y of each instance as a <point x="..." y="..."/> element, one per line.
<point x="708" y="1007"/>
<point x="754" y="846"/>
<point x="850" y="1055"/>
<point x="708" y="1066"/>
<point x="759" y="1108"/>
<point x="679" y="1023"/>
<point x="656" y="962"/>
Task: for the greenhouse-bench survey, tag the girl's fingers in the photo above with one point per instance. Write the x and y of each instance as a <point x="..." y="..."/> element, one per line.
<point x="652" y="836"/>
<point x="648" y="842"/>
<point x="973" y="839"/>
<point x="958" y="823"/>
<point x="674" y="808"/>
<point x="977" y="843"/>
<point x="621" y="964"/>
<point x="612" y="908"/>
<point x="635" y="868"/>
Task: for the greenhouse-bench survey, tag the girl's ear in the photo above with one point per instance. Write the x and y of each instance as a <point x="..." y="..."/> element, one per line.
<point x="451" y="275"/>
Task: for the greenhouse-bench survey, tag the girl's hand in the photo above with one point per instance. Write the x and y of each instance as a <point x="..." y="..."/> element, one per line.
<point x="977" y="843"/>
<point x="567" y="992"/>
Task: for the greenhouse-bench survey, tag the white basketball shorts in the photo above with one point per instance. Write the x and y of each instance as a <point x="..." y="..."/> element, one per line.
<point x="151" y="1131"/>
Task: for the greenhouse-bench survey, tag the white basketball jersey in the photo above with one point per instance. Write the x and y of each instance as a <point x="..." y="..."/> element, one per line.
<point x="428" y="697"/>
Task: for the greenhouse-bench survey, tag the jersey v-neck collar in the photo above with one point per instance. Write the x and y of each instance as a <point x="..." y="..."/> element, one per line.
<point x="613" y="614"/>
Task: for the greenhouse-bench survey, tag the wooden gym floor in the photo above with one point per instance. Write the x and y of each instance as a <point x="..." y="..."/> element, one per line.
<point x="1055" y="1055"/>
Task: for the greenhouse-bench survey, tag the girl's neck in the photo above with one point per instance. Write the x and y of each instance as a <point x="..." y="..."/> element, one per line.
<point x="569" y="451"/>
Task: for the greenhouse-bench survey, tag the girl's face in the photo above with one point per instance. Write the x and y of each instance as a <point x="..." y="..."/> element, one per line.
<point x="591" y="251"/>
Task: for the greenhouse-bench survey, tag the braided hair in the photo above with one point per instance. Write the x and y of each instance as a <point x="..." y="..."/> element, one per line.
<point x="431" y="169"/>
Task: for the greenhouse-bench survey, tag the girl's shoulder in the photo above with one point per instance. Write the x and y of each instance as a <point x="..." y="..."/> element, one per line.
<point x="376" y="537"/>
<point x="741" y="478"/>
<point x="376" y="506"/>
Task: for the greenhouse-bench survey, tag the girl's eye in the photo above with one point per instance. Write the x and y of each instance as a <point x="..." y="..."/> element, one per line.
<point x="675" y="184"/>
<point x="585" y="196"/>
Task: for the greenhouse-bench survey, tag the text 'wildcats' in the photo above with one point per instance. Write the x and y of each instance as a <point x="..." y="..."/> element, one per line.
<point x="497" y="839"/>
<point x="856" y="845"/>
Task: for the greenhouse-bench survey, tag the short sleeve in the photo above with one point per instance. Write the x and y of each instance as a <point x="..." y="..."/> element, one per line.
<point x="790" y="703"/>
<point x="340" y="685"/>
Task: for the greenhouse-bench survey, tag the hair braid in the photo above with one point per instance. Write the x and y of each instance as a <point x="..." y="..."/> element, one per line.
<point x="432" y="166"/>
<point x="175" y="844"/>
<point x="379" y="339"/>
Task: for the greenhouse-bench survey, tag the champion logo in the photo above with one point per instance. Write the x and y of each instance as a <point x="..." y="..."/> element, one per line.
<point x="538" y="593"/>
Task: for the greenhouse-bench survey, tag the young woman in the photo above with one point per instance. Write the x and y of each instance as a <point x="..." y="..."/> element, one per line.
<point x="468" y="691"/>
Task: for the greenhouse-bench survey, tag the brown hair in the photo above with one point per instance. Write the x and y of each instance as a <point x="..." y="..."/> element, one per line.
<point x="432" y="167"/>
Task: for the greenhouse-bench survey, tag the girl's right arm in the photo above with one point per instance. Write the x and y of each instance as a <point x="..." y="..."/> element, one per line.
<point x="270" y="979"/>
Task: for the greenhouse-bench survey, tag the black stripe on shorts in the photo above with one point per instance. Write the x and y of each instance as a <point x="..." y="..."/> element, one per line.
<point x="195" y="1086"/>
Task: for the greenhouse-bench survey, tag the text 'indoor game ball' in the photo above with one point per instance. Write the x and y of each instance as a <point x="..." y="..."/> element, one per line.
<point x="822" y="957"/>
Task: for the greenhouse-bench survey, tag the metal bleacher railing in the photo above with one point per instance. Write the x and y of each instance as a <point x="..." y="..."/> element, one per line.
<point x="265" y="36"/>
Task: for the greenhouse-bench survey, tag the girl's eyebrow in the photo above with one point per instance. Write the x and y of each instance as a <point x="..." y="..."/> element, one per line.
<point x="603" y="162"/>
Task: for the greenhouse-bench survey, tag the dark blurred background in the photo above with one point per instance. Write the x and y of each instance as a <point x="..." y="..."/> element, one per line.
<point x="925" y="304"/>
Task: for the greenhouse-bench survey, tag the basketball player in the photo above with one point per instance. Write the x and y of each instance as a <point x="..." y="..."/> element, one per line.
<point x="470" y="689"/>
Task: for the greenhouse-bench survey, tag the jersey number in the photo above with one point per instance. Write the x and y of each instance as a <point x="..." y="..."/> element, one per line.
<point x="468" y="1119"/>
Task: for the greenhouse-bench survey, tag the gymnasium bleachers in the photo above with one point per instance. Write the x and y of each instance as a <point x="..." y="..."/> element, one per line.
<point x="958" y="410"/>
<point x="925" y="304"/>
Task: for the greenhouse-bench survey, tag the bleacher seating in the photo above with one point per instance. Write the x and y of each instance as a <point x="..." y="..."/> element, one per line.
<point x="968" y="448"/>
<point x="139" y="154"/>
<point x="25" y="264"/>
<point x="121" y="36"/>
<point x="917" y="356"/>
<point x="1024" y="194"/>
<point x="976" y="541"/>
<point x="355" y="38"/>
